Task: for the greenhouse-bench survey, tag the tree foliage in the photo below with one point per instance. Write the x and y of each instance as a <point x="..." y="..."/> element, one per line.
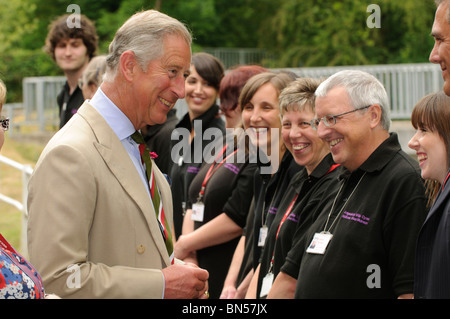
<point x="297" y="33"/>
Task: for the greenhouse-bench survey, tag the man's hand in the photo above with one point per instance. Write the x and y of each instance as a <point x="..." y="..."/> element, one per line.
<point x="185" y="281"/>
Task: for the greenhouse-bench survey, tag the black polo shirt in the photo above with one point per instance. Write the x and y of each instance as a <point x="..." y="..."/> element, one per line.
<point x="371" y="254"/>
<point x="310" y="189"/>
<point x="185" y="166"/>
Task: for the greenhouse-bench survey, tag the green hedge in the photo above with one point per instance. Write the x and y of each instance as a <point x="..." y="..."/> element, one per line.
<point x="19" y="64"/>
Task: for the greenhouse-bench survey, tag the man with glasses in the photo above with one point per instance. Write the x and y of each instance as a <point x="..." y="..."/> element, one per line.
<point x="362" y="242"/>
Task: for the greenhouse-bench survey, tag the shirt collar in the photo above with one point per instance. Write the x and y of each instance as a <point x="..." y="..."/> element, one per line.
<point x="206" y="117"/>
<point x="382" y="155"/>
<point x="116" y="119"/>
<point x="378" y="159"/>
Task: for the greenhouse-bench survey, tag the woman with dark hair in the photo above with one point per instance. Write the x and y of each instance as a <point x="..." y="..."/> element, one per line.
<point x="431" y="119"/>
<point x="202" y="89"/>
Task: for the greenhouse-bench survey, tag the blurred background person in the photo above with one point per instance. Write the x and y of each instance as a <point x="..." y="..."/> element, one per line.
<point x="202" y="90"/>
<point x="92" y="76"/>
<point x="71" y="49"/>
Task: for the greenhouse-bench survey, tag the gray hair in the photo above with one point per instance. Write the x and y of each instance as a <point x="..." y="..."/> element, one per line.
<point x="439" y="2"/>
<point x="144" y="34"/>
<point x="363" y="89"/>
<point x="299" y="95"/>
<point x="94" y="72"/>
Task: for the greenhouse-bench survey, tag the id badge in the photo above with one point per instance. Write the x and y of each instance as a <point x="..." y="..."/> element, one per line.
<point x="266" y="285"/>
<point x="319" y="243"/>
<point x="262" y="236"/>
<point x="198" y="211"/>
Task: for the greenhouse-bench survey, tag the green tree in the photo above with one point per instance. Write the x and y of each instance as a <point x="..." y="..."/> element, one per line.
<point x="324" y="32"/>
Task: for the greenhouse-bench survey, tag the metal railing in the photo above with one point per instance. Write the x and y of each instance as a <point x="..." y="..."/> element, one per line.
<point x="405" y="84"/>
<point x="20" y="205"/>
<point x="239" y="56"/>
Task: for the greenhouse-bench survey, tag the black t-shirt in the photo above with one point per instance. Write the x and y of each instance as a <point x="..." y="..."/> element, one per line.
<point x="310" y="190"/>
<point x="268" y="192"/>
<point x="229" y="190"/>
<point x="371" y="253"/>
<point x="189" y="157"/>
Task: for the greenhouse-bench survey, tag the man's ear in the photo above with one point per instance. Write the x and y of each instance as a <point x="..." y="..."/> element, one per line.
<point x="375" y="115"/>
<point x="127" y="65"/>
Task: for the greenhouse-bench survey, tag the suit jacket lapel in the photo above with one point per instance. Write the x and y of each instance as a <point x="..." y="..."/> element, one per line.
<point x="120" y="164"/>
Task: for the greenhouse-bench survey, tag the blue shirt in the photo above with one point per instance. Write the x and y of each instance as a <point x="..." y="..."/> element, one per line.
<point x="122" y="126"/>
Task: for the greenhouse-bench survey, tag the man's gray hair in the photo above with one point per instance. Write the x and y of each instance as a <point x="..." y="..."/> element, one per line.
<point x="144" y="34"/>
<point x="439" y="2"/>
<point x="363" y="89"/>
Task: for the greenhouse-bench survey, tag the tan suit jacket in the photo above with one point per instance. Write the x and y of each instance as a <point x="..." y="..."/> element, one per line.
<point x="88" y="207"/>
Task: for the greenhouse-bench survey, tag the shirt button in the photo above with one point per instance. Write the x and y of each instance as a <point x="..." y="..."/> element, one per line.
<point x="141" y="249"/>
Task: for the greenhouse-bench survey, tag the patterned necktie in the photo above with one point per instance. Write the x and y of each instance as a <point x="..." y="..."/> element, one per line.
<point x="154" y="192"/>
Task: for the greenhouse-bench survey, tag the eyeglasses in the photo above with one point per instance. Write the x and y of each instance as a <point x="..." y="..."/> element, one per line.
<point x="4" y="123"/>
<point x="330" y="120"/>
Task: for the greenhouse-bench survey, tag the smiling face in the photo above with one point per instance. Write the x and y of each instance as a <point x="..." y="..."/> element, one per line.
<point x="302" y="140"/>
<point x="155" y="91"/>
<point x="261" y="114"/>
<point x="441" y="50"/>
<point x="200" y="95"/>
<point x="350" y="138"/>
<point x="431" y="152"/>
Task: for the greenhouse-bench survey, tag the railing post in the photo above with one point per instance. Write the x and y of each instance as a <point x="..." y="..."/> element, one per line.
<point x="26" y="175"/>
<point x="27" y="171"/>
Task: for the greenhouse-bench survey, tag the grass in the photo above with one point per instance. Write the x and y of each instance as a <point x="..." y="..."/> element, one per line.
<point x="24" y="151"/>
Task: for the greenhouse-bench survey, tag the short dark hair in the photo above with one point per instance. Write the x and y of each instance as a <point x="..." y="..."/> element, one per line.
<point x="209" y="68"/>
<point x="59" y="30"/>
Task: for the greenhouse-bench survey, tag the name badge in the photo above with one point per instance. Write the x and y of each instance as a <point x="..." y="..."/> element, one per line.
<point x="319" y="243"/>
<point x="266" y="285"/>
<point x="198" y="211"/>
<point x="262" y="236"/>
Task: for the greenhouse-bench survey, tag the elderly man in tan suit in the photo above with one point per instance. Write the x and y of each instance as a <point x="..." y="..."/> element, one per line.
<point x="92" y="229"/>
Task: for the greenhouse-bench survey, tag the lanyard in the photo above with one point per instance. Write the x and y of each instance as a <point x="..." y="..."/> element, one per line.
<point x="212" y="169"/>
<point x="445" y="181"/>
<point x="334" y="202"/>
<point x="286" y="214"/>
